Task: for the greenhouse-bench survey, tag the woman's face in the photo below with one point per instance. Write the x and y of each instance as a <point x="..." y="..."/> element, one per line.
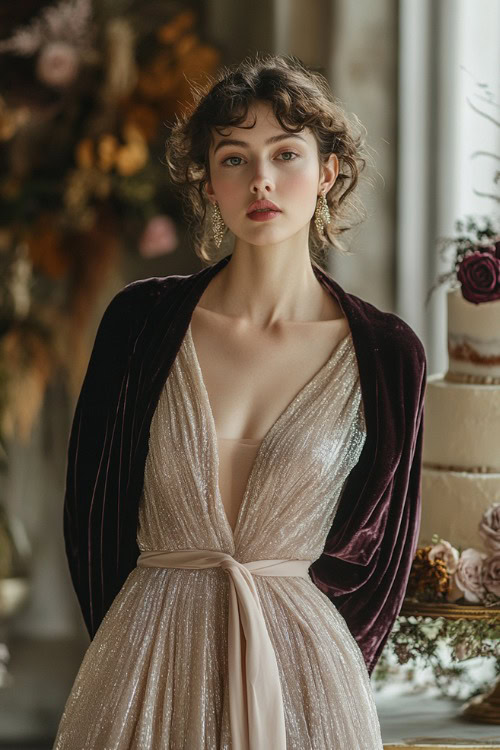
<point x="285" y="171"/>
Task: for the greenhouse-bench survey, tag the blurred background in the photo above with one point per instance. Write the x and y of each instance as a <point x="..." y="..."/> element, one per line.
<point x="87" y="89"/>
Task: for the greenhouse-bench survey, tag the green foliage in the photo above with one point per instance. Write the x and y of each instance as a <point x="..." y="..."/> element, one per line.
<point x="419" y="640"/>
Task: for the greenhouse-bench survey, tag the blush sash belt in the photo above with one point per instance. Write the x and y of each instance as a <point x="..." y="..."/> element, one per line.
<point x="266" y="719"/>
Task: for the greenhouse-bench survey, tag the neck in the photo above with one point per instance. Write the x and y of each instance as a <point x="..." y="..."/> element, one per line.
<point x="264" y="288"/>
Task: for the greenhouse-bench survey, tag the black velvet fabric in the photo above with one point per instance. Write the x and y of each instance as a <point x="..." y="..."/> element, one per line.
<point x="366" y="562"/>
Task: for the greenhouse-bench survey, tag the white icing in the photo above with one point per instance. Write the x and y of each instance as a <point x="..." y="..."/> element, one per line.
<point x="461" y="445"/>
<point x="462" y="425"/>
<point x="453" y="504"/>
<point x="473" y="335"/>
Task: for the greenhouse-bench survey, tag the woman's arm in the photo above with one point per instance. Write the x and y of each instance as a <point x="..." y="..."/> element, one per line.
<point x="366" y="563"/>
<point x="95" y="424"/>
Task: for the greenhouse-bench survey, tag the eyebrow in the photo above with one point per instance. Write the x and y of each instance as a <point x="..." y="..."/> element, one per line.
<point x="273" y="139"/>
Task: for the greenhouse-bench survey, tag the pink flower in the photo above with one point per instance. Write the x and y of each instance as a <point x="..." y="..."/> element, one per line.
<point x="58" y="64"/>
<point x="479" y="275"/>
<point x="446" y="552"/>
<point x="491" y="573"/>
<point x="489" y="527"/>
<point x="159" y="237"/>
<point x="468" y="575"/>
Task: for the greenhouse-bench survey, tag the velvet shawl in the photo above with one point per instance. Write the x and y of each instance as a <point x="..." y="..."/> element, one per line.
<point x="366" y="561"/>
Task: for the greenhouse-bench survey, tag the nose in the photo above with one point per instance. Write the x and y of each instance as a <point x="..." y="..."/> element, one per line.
<point x="261" y="180"/>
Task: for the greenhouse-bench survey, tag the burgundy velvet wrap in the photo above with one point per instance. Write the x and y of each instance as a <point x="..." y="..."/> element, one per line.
<point x="365" y="565"/>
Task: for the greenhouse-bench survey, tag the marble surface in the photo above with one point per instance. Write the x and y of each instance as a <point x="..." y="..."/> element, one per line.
<point x="427" y="719"/>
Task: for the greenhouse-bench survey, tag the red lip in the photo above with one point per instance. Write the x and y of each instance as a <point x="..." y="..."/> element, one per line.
<point x="263" y="215"/>
<point x="262" y="204"/>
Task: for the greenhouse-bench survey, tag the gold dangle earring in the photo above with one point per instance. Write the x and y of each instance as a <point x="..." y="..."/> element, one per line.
<point x="218" y="225"/>
<point x="322" y="216"/>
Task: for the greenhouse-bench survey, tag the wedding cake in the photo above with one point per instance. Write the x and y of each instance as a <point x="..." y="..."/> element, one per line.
<point x="461" y="446"/>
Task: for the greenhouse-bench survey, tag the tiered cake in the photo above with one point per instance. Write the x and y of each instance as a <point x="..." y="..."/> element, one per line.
<point x="461" y="450"/>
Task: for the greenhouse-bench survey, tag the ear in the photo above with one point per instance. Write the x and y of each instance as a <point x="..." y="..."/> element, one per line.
<point x="329" y="171"/>
<point x="210" y="192"/>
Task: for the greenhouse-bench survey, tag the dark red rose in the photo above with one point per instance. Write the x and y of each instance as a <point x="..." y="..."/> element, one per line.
<point x="479" y="275"/>
<point x="493" y="247"/>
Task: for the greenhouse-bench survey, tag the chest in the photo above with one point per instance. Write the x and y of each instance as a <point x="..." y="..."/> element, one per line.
<point x="251" y="376"/>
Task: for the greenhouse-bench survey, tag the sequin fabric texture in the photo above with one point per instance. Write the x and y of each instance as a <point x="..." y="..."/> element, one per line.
<point x="155" y="675"/>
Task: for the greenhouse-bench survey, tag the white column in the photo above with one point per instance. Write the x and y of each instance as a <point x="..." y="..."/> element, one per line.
<point x="416" y="160"/>
<point x="449" y="73"/>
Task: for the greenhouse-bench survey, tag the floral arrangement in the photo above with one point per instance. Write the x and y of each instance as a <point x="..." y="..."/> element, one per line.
<point x="90" y="89"/>
<point x="444" y="646"/>
<point x="476" y="265"/>
<point x="441" y="573"/>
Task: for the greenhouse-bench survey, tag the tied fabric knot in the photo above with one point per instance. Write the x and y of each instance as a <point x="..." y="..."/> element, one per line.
<point x="264" y="724"/>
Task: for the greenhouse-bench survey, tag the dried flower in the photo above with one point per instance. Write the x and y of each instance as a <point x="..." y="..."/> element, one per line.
<point x="429" y="579"/>
<point x="107" y="148"/>
<point x="447" y="553"/>
<point x="403" y="652"/>
<point x="81" y="186"/>
<point x="84" y="153"/>
<point x="133" y="156"/>
<point x="46" y="247"/>
<point x="144" y="118"/>
<point x="11" y="120"/>
<point x="159" y="79"/>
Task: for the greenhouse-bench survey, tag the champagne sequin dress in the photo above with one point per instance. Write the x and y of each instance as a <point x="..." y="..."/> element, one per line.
<point x="157" y="674"/>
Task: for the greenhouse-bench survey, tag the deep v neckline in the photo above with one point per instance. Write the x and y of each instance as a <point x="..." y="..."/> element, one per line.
<point x="339" y="346"/>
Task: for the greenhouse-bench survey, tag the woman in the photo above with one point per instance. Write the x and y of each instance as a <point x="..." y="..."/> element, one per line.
<point x="242" y="500"/>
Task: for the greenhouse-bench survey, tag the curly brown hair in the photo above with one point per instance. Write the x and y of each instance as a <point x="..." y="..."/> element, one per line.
<point x="300" y="97"/>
